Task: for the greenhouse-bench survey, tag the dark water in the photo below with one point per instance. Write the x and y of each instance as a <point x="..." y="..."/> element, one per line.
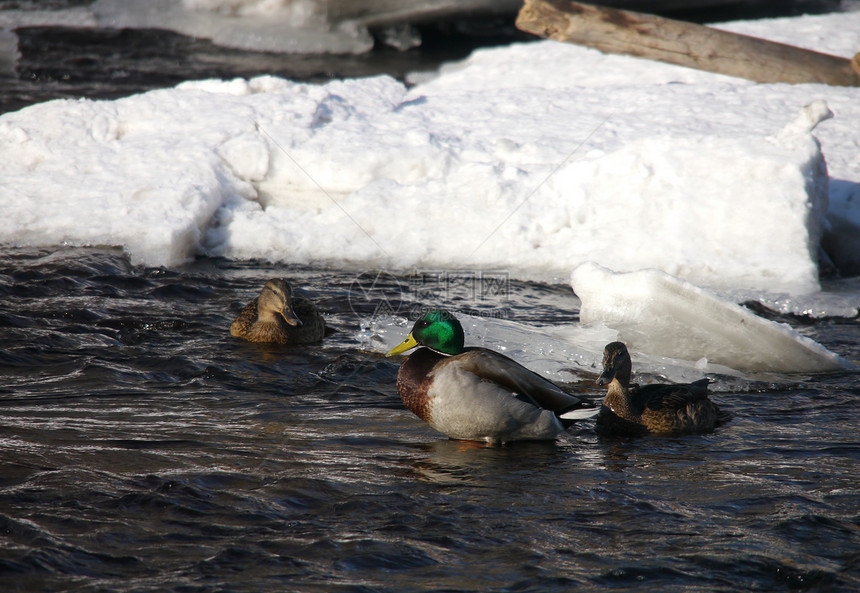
<point x="143" y="449"/>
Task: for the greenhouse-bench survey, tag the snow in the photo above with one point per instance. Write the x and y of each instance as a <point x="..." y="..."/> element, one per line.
<point x="662" y="315"/>
<point x="283" y="26"/>
<point x="533" y="158"/>
<point x="297" y="26"/>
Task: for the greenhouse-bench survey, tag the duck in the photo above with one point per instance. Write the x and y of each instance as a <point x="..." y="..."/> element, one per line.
<point x="477" y="394"/>
<point x="657" y="409"/>
<point x="278" y="317"/>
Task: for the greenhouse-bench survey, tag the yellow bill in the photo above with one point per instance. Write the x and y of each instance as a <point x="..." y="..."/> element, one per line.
<point x="405" y="345"/>
<point x="290" y="316"/>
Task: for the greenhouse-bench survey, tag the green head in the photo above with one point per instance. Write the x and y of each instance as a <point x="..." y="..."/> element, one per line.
<point x="436" y="329"/>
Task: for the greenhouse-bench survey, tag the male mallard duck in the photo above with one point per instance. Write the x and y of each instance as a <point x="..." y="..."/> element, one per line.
<point x="652" y="409"/>
<point x="277" y="317"/>
<point x="476" y="394"/>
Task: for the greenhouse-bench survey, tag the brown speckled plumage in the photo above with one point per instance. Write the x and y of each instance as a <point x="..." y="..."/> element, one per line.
<point x="652" y="409"/>
<point x="412" y="384"/>
<point x="269" y="326"/>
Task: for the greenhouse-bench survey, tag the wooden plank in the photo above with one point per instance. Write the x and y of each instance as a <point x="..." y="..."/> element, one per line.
<point x="685" y="44"/>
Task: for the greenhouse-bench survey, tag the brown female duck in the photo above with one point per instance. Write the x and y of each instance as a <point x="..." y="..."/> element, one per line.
<point x="658" y="409"/>
<point x="277" y="317"/>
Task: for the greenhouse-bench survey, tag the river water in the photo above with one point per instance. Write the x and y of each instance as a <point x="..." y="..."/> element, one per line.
<point x="145" y="449"/>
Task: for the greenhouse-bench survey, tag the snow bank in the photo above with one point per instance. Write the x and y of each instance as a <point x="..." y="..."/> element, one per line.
<point x="664" y="316"/>
<point x="532" y="158"/>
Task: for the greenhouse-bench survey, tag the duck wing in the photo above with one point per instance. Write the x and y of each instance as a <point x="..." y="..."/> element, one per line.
<point x="246" y="318"/>
<point x="671" y="397"/>
<point x="313" y="328"/>
<point x="497" y="368"/>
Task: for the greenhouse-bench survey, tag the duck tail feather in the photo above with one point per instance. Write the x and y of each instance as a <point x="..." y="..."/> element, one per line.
<point x="580" y="411"/>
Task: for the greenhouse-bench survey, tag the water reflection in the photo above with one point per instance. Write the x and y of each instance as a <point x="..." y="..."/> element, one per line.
<point x="453" y="463"/>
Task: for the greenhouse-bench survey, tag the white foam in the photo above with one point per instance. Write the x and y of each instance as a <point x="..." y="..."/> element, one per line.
<point x="565" y="353"/>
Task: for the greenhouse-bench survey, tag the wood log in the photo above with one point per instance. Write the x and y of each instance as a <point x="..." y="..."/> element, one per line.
<point x="684" y="44"/>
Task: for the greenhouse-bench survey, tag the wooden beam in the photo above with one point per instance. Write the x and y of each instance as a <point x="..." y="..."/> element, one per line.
<point x="684" y="44"/>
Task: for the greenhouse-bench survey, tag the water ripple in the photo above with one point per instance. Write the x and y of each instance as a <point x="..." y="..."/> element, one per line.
<point x="142" y="448"/>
